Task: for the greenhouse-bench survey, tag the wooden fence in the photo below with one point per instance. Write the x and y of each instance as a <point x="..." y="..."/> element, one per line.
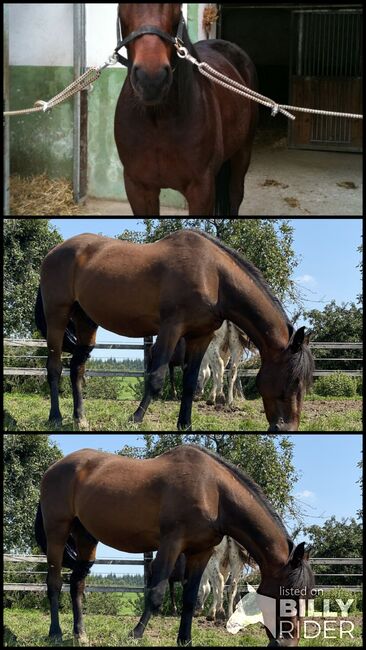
<point x="243" y="372"/>
<point x="36" y="559"/>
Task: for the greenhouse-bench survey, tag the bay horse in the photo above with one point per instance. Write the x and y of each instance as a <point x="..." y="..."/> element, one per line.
<point x="186" y="284"/>
<point x="183" y="501"/>
<point x="173" y="127"/>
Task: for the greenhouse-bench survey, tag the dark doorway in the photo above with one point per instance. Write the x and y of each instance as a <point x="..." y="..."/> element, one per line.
<point x="274" y="36"/>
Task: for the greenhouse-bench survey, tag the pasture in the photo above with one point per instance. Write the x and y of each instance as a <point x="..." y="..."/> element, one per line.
<point x="30" y="413"/>
<point x="30" y="628"/>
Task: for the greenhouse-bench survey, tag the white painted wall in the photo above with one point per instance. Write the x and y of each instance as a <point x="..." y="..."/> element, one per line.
<point x="41" y="34"/>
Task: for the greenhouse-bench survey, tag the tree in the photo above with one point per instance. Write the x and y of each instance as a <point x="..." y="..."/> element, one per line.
<point x="26" y="458"/>
<point x="268" y="459"/>
<point x="26" y="243"/>
<point x="337" y="323"/>
<point x="268" y="243"/>
<point x="336" y="539"/>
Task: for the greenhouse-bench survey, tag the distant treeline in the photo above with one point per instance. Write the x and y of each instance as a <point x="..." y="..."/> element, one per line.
<point x="125" y="580"/>
<point x="116" y="364"/>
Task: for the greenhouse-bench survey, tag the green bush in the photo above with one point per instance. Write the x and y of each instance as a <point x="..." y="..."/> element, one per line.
<point x="338" y="384"/>
<point x="344" y="595"/>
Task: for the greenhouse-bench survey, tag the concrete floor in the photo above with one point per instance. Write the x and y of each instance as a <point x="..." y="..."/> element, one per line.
<point x="284" y="182"/>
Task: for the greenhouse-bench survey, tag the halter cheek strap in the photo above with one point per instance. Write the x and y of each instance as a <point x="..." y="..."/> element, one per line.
<point x="146" y="29"/>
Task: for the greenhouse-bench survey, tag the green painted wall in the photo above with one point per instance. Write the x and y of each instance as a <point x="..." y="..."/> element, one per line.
<point x="105" y="172"/>
<point x="42" y="141"/>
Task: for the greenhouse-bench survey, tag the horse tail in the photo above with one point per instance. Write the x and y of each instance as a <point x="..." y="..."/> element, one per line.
<point x="69" y="560"/>
<point x="222" y="196"/>
<point x="70" y="340"/>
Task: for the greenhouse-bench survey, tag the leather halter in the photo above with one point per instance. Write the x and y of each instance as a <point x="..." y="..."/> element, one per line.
<point x="141" y="31"/>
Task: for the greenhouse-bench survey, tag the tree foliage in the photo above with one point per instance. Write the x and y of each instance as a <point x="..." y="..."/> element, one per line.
<point x="340" y="539"/>
<point x="268" y="459"/>
<point x="26" y="243"/>
<point x="26" y="458"/>
<point x="341" y="323"/>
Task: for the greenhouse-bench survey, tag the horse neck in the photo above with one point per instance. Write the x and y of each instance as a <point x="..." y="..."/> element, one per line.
<point x="249" y="523"/>
<point x="247" y="305"/>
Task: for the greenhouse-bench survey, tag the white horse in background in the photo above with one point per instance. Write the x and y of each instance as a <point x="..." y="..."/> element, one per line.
<point x="228" y="343"/>
<point x="227" y="558"/>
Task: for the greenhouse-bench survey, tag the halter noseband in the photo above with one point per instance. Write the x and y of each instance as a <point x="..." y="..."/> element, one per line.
<point x="146" y="29"/>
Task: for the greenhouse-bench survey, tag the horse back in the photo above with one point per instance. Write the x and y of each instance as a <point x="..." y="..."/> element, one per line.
<point x="240" y="60"/>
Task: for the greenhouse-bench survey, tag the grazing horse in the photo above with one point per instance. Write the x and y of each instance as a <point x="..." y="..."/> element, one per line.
<point x="228" y="558"/>
<point x="227" y="344"/>
<point x="175" y="128"/>
<point x="183" y="501"/>
<point x="186" y="284"/>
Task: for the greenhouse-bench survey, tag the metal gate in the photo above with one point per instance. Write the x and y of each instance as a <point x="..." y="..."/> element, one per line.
<point x="326" y="73"/>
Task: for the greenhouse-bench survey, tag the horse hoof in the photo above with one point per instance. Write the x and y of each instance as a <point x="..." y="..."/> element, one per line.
<point x="81" y="639"/>
<point x="56" y="423"/>
<point x="136" y="634"/>
<point x="220" y="399"/>
<point x="210" y="402"/>
<point x="136" y="418"/>
<point x="81" y="425"/>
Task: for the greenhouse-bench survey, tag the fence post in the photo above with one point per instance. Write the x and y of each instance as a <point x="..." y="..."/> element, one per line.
<point x="148" y="558"/>
<point x="148" y="343"/>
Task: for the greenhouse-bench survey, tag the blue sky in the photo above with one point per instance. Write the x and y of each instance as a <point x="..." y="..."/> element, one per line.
<point x="327" y="464"/>
<point x="327" y="271"/>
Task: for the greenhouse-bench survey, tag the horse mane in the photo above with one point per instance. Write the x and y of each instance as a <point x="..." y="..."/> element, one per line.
<point x="253" y="272"/>
<point x="301" y="364"/>
<point x="252" y="486"/>
<point x="184" y="72"/>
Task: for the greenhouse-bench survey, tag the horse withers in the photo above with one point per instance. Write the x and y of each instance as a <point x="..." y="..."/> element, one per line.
<point x="175" y="128"/>
<point x="184" y="285"/>
<point x="183" y="501"/>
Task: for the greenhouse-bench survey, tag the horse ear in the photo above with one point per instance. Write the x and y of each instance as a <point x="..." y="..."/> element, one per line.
<point x="298" y="340"/>
<point x="307" y="552"/>
<point x="298" y="555"/>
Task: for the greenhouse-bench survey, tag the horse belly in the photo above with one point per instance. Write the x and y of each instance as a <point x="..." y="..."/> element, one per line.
<point x="119" y="516"/>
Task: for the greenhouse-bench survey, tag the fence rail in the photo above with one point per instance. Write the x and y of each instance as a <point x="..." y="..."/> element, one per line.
<point x="242" y="372"/>
<point x="35" y="559"/>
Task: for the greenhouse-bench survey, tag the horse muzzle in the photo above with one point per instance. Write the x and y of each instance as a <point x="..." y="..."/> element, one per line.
<point x="151" y="88"/>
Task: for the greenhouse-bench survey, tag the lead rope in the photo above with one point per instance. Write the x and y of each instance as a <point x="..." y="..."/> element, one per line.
<point x="76" y="86"/>
<point x="221" y="79"/>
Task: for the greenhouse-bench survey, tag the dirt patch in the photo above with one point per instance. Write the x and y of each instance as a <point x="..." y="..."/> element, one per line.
<point x="324" y="408"/>
<point x="348" y="185"/>
<point x="270" y="182"/>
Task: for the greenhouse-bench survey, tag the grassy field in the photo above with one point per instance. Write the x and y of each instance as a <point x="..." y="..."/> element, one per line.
<point x="30" y="413"/>
<point x="30" y="628"/>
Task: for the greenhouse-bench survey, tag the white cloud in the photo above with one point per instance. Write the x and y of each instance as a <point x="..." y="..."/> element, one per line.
<point x="307" y="279"/>
<point x="306" y="494"/>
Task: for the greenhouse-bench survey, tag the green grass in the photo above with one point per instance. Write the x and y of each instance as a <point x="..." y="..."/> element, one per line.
<point x="30" y="628"/>
<point x="30" y="413"/>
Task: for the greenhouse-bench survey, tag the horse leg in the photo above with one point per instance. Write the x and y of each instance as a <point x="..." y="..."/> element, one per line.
<point x="239" y="163"/>
<point x="142" y="200"/>
<point x="172" y="597"/>
<point x="55" y="335"/>
<point x="160" y="356"/>
<point x="173" y="390"/>
<point x="200" y="195"/>
<point x="56" y="541"/>
<point x="86" y="332"/>
<point x="86" y="547"/>
<point x="218" y="396"/>
<point x="162" y="568"/>
<point x="196" y="349"/>
<point x="195" y="567"/>
<point x="203" y="593"/>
